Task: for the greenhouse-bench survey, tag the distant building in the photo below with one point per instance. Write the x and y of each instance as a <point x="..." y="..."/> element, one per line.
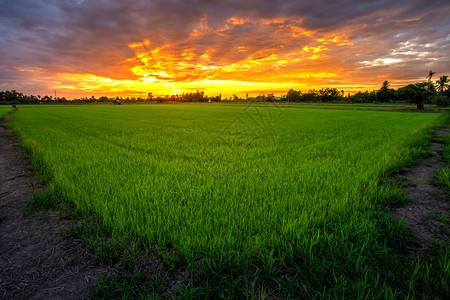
<point x="280" y="98"/>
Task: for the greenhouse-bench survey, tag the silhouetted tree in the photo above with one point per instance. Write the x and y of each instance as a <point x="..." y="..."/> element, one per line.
<point x="442" y="83"/>
<point x="430" y="85"/>
<point x="385" y="94"/>
<point x="330" y="94"/>
<point x="430" y="75"/>
<point x="415" y="93"/>
<point x="293" y="95"/>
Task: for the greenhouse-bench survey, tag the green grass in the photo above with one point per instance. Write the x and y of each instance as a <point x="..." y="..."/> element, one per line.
<point x="356" y="106"/>
<point x="442" y="177"/>
<point x="353" y="106"/>
<point x="250" y="200"/>
<point x="441" y="108"/>
<point x="42" y="199"/>
<point x="4" y="110"/>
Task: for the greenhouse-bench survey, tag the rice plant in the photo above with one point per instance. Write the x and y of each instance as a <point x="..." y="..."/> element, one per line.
<point x="287" y="198"/>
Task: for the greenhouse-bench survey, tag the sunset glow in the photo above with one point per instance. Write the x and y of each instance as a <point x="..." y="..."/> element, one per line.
<point x="129" y="48"/>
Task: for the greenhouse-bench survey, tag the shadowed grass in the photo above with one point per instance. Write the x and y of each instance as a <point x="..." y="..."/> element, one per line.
<point x="42" y="199"/>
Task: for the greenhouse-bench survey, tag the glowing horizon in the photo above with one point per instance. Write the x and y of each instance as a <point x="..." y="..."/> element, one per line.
<point x="128" y="48"/>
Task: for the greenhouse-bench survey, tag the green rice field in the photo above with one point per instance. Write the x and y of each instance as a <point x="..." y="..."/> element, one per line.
<point x="356" y="106"/>
<point x="250" y="200"/>
<point x="4" y="110"/>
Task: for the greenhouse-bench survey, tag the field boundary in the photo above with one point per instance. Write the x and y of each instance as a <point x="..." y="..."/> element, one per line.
<point x="427" y="206"/>
<point x="36" y="258"/>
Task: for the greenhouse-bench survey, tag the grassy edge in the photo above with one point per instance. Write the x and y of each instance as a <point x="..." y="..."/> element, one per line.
<point x="428" y="276"/>
<point x="442" y="177"/>
<point x="303" y="276"/>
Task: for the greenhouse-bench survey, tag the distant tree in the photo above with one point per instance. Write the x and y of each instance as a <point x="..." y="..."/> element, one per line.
<point x="430" y="85"/>
<point x="311" y="96"/>
<point x="363" y="97"/>
<point x="430" y="75"/>
<point x="385" y="94"/>
<point x="442" y="83"/>
<point x="441" y="101"/>
<point x="270" y="97"/>
<point x="415" y="93"/>
<point x="261" y="97"/>
<point x="293" y="95"/>
<point x="150" y="96"/>
<point x="330" y="94"/>
<point x="188" y="97"/>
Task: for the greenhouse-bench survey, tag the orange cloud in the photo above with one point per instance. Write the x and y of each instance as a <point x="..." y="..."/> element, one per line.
<point x="292" y="58"/>
<point x="230" y="47"/>
<point x="202" y="59"/>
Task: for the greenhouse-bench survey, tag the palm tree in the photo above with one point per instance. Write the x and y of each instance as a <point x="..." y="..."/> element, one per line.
<point x="430" y="74"/>
<point x="430" y="84"/>
<point x="442" y="83"/>
<point x="384" y="94"/>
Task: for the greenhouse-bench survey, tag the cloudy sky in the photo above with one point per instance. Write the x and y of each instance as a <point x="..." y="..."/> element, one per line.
<point x="121" y="47"/>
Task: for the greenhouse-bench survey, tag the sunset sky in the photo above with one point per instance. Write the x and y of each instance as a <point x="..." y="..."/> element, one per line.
<point x="82" y="48"/>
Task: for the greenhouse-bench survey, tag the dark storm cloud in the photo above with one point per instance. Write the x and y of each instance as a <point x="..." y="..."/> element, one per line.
<point x="92" y="36"/>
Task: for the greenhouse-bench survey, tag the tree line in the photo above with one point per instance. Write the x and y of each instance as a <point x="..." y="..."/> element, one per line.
<point x="14" y="97"/>
<point x="420" y="93"/>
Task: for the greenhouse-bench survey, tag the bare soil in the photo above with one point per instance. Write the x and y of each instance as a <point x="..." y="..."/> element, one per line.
<point x="36" y="260"/>
<point x="427" y="204"/>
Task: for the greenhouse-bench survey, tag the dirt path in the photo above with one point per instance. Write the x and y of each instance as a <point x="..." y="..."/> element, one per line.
<point x="36" y="261"/>
<point x="426" y="203"/>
